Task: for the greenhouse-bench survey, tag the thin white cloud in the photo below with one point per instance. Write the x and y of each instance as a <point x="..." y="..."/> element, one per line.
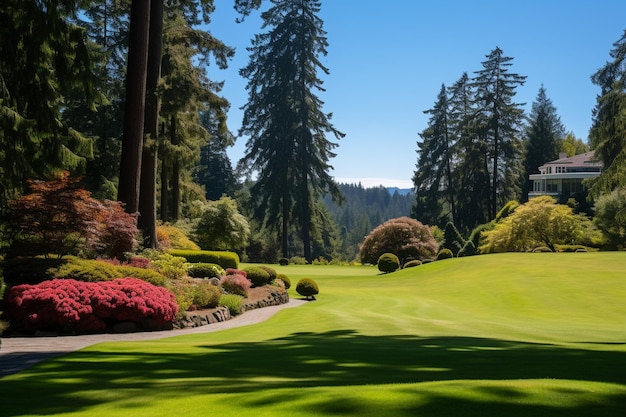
<point x="368" y="182"/>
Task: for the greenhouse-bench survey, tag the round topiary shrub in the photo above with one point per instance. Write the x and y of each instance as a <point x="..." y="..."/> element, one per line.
<point x="412" y="264"/>
<point x="258" y="276"/>
<point x="444" y="254"/>
<point x="205" y="270"/>
<point x="308" y="288"/>
<point x="283" y="261"/>
<point x="388" y="262"/>
<point x="271" y="271"/>
<point x="285" y="279"/>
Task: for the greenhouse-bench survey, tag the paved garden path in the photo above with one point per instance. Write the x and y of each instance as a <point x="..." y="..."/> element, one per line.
<point x="19" y="353"/>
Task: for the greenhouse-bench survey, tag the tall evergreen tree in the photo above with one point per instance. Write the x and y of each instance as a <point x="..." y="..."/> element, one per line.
<point x="44" y="57"/>
<point x="471" y="175"/>
<point x="544" y="133"/>
<point x="214" y="170"/>
<point x="106" y="23"/>
<point x="608" y="132"/>
<point x="433" y="181"/>
<point x="193" y="111"/>
<point x="500" y="120"/>
<point x="284" y="119"/>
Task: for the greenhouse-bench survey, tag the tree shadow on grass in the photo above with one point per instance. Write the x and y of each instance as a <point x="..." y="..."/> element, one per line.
<point x="307" y="360"/>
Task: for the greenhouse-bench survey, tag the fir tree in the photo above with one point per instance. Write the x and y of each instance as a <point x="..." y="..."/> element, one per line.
<point x="544" y="133"/>
<point x="288" y="144"/>
<point x="608" y="132"/>
<point x="500" y="119"/>
<point x="44" y="57"/>
<point x="433" y="178"/>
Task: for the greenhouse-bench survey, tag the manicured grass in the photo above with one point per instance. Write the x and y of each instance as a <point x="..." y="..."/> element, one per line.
<point x="492" y="335"/>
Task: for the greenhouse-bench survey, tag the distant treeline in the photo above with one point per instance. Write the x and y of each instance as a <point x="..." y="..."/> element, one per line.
<point x="365" y="208"/>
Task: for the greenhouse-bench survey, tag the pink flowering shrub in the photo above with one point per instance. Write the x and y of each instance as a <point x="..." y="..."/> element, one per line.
<point x="72" y="306"/>
<point x="236" y="284"/>
<point x="233" y="271"/>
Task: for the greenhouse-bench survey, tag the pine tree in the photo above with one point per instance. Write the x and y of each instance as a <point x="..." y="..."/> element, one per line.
<point x="500" y="120"/>
<point x="471" y="175"/>
<point x="44" y="57"/>
<point x="433" y="178"/>
<point x="608" y="132"/>
<point x="544" y="133"/>
<point x="284" y="119"/>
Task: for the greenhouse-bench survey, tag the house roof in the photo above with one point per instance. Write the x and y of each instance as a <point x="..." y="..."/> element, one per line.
<point x="583" y="160"/>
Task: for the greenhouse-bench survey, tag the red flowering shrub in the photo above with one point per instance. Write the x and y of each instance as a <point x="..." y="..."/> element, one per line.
<point x="85" y="307"/>
<point x="236" y="284"/>
<point x="59" y="217"/>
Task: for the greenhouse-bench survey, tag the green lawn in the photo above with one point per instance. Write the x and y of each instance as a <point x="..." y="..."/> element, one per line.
<point x="494" y="335"/>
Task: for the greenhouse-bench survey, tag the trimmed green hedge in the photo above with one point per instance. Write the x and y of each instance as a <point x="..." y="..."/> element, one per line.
<point x="222" y="258"/>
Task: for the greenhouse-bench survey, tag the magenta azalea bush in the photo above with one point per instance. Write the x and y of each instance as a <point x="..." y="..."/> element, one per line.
<point x="72" y="306"/>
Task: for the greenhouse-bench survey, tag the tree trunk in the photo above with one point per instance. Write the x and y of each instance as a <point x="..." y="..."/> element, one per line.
<point x="147" y="198"/>
<point x="175" y="171"/>
<point x="285" y="227"/>
<point x="306" y="218"/>
<point x="132" y="138"/>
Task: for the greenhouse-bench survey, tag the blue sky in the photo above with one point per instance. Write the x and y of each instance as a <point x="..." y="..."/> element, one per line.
<point x="388" y="60"/>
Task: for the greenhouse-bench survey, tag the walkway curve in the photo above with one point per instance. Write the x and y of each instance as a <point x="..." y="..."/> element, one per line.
<point x="19" y="353"/>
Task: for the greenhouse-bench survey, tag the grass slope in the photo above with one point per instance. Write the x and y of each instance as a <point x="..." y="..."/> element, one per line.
<point x="511" y="334"/>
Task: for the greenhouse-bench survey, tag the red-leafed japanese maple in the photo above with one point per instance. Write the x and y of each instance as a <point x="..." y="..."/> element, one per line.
<point x="71" y="306"/>
<point x="59" y="217"/>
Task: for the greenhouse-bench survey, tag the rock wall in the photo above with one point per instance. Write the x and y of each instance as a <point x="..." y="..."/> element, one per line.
<point x="216" y="315"/>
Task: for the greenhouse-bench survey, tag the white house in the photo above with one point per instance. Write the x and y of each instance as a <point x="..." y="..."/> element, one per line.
<point x="565" y="176"/>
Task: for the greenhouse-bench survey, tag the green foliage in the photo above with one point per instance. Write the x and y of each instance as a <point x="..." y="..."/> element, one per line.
<point x="297" y="260"/>
<point x="29" y="270"/>
<point x="206" y="295"/>
<point x="271" y="271"/>
<point x="308" y="288"/>
<point x="452" y="239"/>
<point x="171" y="237"/>
<point x="388" y="262"/>
<point x="170" y="266"/>
<point x="44" y="63"/>
<point x="233" y="302"/>
<point x="405" y="237"/>
<point x="283" y="261"/>
<point x="477" y="234"/>
<point x="288" y="147"/>
<point x="222" y="226"/>
<point x="540" y="222"/>
<point x="544" y="133"/>
<point x="445" y="254"/>
<point x="506" y="210"/>
<point x="258" y="276"/>
<point x="610" y="217"/>
<point x="412" y="264"/>
<point x="607" y="135"/>
<point x="144" y="274"/>
<point x="205" y="270"/>
<point x="222" y="258"/>
<point x="468" y="249"/>
<point x="87" y="270"/>
<point x="184" y="290"/>
<point x="285" y="279"/>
